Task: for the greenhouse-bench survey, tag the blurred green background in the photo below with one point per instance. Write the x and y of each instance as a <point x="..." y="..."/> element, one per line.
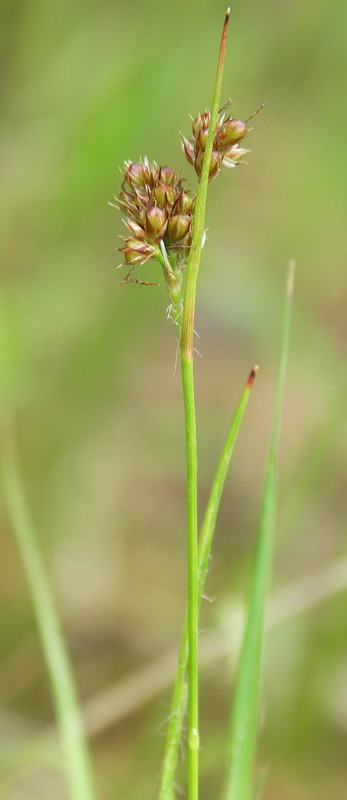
<point x="89" y="369"/>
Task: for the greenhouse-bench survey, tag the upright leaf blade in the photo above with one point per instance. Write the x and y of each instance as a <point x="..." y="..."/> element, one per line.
<point x="245" y="713"/>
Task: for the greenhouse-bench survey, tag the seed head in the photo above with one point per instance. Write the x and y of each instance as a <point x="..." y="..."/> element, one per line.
<point x="158" y="208"/>
<point x="226" y="151"/>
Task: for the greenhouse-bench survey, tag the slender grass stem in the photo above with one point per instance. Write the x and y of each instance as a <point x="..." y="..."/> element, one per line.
<point x="166" y="790"/>
<point x="190" y="426"/>
<point x="245" y="714"/>
<point x="193" y="597"/>
<point x="78" y="768"/>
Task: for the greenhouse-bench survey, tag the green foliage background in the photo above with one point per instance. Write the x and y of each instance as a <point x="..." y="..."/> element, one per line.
<point x="89" y="369"/>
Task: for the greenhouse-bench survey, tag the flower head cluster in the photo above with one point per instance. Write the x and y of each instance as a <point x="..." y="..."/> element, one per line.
<point x="226" y="149"/>
<point x="157" y="207"/>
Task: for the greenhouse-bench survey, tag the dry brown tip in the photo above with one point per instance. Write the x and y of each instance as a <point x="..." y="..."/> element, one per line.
<point x="252" y="376"/>
<point x="224" y="37"/>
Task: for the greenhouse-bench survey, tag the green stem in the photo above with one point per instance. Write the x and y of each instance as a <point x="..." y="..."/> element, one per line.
<point x="78" y="768"/>
<point x="190" y="427"/>
<point x="245" y="715"/>
<point x="166" y="791"/>
<point x="193" y="596"/>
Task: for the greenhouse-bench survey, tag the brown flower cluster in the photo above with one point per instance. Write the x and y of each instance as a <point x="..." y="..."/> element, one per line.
<point x="157" y="208"/>
<point x="226" y="145"/>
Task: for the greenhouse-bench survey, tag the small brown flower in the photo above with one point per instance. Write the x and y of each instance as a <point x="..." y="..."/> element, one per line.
<point x="137" y="251"/>
<point x="165" y="195"/>
<point x="226" y="151"/>
<point x="155" y="223"/>
<point x="231" y="132"/>
<point x="178" y="228"/>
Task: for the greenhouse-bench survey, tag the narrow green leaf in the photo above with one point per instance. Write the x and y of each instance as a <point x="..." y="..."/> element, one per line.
<point x="245" y="712"/>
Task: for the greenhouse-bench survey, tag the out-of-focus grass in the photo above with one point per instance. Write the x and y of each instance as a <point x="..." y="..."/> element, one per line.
<point x="241" y="782"/>
<point x="89" y="368"/>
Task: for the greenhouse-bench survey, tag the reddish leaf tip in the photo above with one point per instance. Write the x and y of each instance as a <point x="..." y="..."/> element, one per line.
<point x="252" y="376"/>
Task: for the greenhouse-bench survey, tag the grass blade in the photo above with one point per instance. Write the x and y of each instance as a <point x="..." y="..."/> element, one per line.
<point x="245" y="714"/>
<point x="78" y="770"/>
<point x="166" y="791"/>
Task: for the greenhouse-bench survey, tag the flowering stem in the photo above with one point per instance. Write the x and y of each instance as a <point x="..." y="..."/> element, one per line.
<point x="199" y="211"/>
<point x="166" y="791"/>
<point x="190" y="426"/>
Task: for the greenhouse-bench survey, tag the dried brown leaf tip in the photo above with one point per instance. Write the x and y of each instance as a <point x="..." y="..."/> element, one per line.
<point x="226" y="150"/>
<point x="158" y="208"/>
